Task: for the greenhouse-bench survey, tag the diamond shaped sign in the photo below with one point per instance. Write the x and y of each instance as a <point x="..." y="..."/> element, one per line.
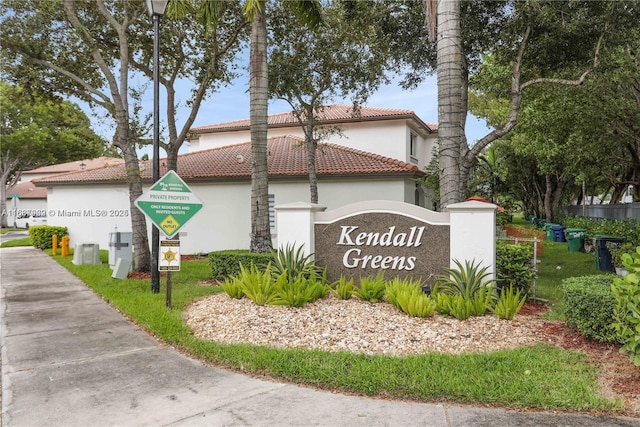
<point x="169" y="204"/>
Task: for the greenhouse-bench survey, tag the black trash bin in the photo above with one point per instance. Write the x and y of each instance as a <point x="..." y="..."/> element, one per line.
<point x="604" y="261"/>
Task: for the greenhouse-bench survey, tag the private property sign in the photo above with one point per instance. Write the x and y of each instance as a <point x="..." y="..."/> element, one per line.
<point x="169" y="204"/>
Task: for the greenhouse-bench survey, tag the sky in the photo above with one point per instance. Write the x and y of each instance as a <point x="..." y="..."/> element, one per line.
<point x="232" y="103"/>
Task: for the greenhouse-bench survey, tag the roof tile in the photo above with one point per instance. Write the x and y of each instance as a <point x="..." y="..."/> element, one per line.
<point x="287" y="156"/>
<point x="328" y="114"/>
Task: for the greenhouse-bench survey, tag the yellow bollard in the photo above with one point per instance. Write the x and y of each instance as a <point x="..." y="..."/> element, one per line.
<point x="64" y="251"/>
<point x="54" y="244"/>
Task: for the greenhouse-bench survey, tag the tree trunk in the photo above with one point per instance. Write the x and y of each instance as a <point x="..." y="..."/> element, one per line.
<point x="450" y="108"/>
<point x="123" y="141"/>
<point x="258" y="95"/>
<point x="311" y="156"/>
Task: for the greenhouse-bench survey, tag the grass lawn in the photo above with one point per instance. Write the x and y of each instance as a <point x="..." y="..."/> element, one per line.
<point x="25" y="241"/>
<point x="556" y="264"/>
<point x="540" y="377"/>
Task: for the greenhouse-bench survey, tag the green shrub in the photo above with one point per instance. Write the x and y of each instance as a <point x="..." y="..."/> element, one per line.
<point x="626" y="229"/>
<point x="293" y="260"/>
<point x="392" y="289"/>
<point x="297" y="292"/>
<point x="465" y="280"/>
<point x="618" y="250"/>
<point x="371" y="288"/>
<point x="41" y="235"/>
<point x="454" y="305"/>
<point x="343" y="288"/>
<point x="481" y="300"/>
<point x="626" y="292"/>
<point x="514" y="267"/>
<point x="232" y="287"/>
<point x="258" y="285"/>
<point x="509" y="303"/>
<point x="227" y="263"/>
<point x="589" y="306"/>
<point x="412" y="301"/>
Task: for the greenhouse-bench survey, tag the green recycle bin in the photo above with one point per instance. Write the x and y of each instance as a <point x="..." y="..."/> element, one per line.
<point x="575" y="239"/>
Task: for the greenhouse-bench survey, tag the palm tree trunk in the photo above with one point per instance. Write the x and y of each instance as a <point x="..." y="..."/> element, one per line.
<point x="258" y="86"/>
<point x="450" y="100"/>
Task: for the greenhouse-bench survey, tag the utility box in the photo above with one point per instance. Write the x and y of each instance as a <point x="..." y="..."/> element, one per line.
<point x="86" y="253"/>
<point x="120" y="246"/>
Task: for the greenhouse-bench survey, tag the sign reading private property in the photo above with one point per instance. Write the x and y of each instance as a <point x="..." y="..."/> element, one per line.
<point x="169" y="204"/>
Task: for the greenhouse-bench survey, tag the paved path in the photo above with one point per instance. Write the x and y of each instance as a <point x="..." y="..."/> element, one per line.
<point x="69" y="359"/>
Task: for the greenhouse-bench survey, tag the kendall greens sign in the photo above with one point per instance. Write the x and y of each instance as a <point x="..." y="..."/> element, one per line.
<point x="169" y="204"/>
<point x="360" y="244"/>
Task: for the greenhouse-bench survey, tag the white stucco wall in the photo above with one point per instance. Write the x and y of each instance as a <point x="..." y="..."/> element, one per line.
<point x="388" y="138"/>
<point x="91" y="212"/>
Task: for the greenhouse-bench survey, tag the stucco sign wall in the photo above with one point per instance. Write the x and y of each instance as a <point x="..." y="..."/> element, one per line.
<point x="401" y="239"/>
<point x="403" y="246"/>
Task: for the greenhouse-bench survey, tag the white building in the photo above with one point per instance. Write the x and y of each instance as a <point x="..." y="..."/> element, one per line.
<point x="397" y="134"/>
<point x="218" y="170"/>
<point x="25" y="198"/>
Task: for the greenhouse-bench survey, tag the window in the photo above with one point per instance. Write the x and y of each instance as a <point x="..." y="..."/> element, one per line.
<point x="272" y="211"/>
<point x="413" y="144"/>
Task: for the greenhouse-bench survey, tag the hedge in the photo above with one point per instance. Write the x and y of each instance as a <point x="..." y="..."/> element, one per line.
<point x="40" y="235"/>
<point x="227" y="263"/>
<point x="589" y="306"/>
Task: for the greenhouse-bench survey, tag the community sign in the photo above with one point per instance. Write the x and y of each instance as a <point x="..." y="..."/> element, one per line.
<point x="169" y="204"/>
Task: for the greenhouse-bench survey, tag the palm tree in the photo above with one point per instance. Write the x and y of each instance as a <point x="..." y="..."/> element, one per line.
<point x="255" y="10"/>
<point x="443" y="17"/>
<point x="308" y="12"/>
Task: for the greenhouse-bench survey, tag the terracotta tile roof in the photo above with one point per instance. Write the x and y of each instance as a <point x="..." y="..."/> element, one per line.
<point x="98" y="162"/>
<point x="330" y="114"/>
<point x="287" y="158"/>
<point x="27" y="190"/>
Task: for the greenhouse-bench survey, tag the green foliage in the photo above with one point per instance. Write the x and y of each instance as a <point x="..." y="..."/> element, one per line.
<point x="232" y="287"/>
<point x="39" y="130"/>
<point x="227" y="263"/>
<point x="626" y="292"/>
<point x="627" y="229"/>
<point x="465" y="280"/>
<point x="407" y="296"/>
<point x="40" y="235"/>
<point x="509" y="303"/>
<point x="343" y="288"/>
<point x="371" y="288"/>
<point x="617" y="252"/>
<point x="481" y="300"/>
<point x="513" y="267"/>
<point x="297" y="292"/>
<point x="16" y="242"/>
<point x="258" y="285"/>
<point x="589" y="306"/>
<point x="454" y="305"/>
<point x="293" y="261"/>
<point x="416" y="303"/>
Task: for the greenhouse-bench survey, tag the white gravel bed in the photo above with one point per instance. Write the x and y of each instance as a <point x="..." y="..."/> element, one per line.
<point x="355" y="326"/>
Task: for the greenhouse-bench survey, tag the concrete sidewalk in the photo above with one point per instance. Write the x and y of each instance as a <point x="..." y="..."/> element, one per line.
<point x="69" y="359"/>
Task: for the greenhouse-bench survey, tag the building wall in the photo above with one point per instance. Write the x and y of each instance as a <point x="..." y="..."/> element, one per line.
<point x="91" y="212"/>
<point x="389" y="138"/>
